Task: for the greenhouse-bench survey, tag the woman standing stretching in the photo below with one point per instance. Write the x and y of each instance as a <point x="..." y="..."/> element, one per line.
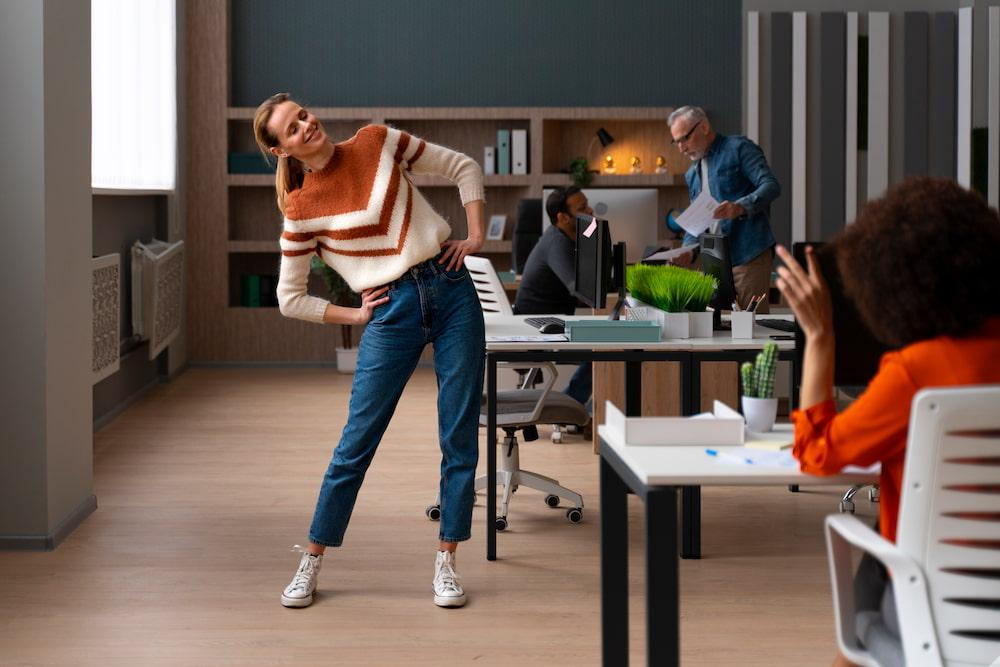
<point x="353" y="204"/>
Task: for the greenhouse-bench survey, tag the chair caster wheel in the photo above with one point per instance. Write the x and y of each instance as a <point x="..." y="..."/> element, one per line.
<point x="557" y="437"/>
<point x="551" y="500"/>
<point x="501" y="523"/>
<point x="575" y="515"/>
<point x="846" y="506"/>
<point x="873" y="495"/>
<point x="433" y="512"/>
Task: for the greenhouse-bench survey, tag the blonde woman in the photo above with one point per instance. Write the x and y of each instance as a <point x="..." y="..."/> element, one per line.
<point x="352" y="203"/>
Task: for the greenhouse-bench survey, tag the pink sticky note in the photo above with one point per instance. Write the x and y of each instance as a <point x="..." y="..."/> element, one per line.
<point x="590" y="230"/>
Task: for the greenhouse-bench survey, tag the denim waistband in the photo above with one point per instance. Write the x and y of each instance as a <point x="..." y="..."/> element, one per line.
<point x="427" y="267"/>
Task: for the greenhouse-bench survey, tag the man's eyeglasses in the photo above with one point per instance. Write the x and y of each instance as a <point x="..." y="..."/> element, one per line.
<point x="681" y="140"/>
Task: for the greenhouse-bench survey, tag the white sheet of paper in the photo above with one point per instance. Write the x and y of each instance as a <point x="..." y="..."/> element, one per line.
<point x="669" y="255"/>
<point x="699" y="216"/>
<point x="527" y="339"/>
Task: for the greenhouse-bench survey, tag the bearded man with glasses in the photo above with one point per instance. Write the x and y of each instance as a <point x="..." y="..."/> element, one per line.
<point x="737" y="175"/>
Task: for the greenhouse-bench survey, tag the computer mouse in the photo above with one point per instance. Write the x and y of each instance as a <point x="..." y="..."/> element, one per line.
<point x="552" y="328"/>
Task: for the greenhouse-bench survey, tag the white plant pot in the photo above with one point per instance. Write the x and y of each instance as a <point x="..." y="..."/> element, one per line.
<point x="760" y="413"/>
<point x="742" y="324"/>
<point x="701" y="324"/>
<point x="347" y="359"/>
<point x="676" y="325"/>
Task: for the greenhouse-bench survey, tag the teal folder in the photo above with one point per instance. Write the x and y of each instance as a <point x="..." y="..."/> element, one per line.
<point x="503" y="151"/>
<point x="612" y="331"/>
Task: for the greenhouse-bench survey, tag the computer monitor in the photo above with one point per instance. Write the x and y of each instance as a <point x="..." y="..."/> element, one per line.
<point x="632" y="213"/>
<point x="599" y="266"/>
<point x="716" y="262"/>
<point x="857" y="352"/>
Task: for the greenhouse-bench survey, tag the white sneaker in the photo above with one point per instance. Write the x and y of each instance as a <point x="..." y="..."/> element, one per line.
<point x="300" y="592"/>
<point x="447" y="591"/>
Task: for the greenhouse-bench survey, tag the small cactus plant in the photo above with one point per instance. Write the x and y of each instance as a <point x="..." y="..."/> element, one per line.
<point x="758" y="378"/>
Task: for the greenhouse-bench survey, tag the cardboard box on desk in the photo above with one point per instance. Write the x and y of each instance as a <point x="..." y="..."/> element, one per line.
<point x="723" y="427"/>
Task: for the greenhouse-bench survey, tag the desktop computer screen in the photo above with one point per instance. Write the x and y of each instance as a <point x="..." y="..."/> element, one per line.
<point x="715" y="261"/>
<point x="599" y="266"/>
<point x="632" y="214"/>
<point x="857" y="352"/>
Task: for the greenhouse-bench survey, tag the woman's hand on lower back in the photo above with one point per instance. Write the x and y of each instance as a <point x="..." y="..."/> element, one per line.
<point x="455" y="251"/>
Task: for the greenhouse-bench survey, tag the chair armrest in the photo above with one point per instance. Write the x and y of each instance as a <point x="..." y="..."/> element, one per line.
<point x="916" y="623"/>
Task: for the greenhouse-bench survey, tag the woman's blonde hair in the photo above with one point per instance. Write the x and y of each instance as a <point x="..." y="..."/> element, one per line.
<point x="290" y="173"/>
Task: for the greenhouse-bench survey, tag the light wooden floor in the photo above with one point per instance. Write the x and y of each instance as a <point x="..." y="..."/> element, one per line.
<point x="205" y="484"/>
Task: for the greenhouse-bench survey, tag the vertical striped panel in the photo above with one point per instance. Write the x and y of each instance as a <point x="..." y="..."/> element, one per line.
<point x="832" y="72"/>
<point x="963" y="121"/>
<point x="851" y="120"/>
<point x="753" y="77"/>
<point x="780" y="158"/>
<point x="916" y="36"/>
<point x="993" y="188"/>
<point x="878" y="103"/>
<point x="941" y="143"/>
<point x="799" y="136"/>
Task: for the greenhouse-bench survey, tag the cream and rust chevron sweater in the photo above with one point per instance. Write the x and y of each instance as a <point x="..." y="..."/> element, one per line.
<point x="364" y="218"/>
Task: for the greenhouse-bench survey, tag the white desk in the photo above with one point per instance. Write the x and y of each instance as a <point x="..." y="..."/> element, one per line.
<point x="689" y="352"/>
<point x="654" y="474"/>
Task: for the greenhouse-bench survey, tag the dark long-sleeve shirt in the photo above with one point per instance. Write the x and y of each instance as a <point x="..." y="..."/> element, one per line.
<point x="549" y="276"/>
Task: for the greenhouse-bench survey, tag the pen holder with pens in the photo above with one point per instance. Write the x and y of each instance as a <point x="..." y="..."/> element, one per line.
<point x="742" y="324"/>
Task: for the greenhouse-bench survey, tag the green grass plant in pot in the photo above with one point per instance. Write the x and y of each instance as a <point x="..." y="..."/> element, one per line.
<point x="678" y="293"/>
<point x="340" y="294"/>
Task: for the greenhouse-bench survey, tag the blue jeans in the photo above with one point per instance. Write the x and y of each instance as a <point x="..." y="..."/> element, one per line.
<point x="581" y="384"/>
<point x="428" y="304"/>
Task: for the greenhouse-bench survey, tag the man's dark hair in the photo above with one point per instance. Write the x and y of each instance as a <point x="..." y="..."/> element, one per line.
<point x="556" y="203"/>
<point x="922" y="261"/>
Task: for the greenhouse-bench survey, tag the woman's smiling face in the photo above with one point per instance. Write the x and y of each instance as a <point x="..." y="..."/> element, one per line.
<point x="299" y="132"/>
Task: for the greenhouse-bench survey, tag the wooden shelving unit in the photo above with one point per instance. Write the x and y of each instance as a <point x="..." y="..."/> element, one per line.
<point x="233" y="222"/>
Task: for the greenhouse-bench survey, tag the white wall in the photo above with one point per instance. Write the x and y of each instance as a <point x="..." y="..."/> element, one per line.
<point x="46" y="479"/>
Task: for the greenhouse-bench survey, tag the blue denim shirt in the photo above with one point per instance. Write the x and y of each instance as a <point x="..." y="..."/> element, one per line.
<point x="738" y="172"/>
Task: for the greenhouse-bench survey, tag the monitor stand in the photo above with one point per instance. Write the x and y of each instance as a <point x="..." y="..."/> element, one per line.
<point x="618" y="279"/>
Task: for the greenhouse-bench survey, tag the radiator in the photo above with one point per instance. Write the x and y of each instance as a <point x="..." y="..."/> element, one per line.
<point x="106" y="285"/>
<point x="157" y="292"/>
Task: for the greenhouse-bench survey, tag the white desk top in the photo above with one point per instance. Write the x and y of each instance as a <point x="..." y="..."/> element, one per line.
<point x="689" y="465"/>
<point x="500" y="325"/>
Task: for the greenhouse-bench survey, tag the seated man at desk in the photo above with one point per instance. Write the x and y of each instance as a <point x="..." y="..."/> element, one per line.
<point x="547" y="284"/>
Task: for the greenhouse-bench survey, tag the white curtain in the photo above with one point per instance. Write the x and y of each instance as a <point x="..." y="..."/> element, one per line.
<point x="134" y="97"/>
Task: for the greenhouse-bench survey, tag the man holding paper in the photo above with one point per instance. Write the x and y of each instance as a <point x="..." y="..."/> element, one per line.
<point x="731" y="189"/>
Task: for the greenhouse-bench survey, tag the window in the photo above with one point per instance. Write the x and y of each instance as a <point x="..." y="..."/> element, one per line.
<point x="133" y="94"/>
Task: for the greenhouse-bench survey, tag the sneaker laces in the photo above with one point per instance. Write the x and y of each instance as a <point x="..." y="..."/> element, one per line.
<point x="447" y="578"/>
<point x="306" y="571"/>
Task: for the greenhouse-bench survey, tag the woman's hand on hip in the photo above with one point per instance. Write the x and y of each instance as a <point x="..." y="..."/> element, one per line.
<point x="807" y="294"/>
<point x="370" y="300"/>
<point x="455" y="252"/>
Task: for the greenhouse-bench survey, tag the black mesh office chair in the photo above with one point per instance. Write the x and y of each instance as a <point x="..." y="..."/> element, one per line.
<point x="527" y="231"/>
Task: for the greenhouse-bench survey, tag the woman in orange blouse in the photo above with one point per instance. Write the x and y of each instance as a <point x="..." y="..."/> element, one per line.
<point x="921" y="265"/>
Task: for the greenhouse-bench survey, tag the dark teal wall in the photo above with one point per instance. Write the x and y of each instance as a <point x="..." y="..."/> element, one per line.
<point x="491" y="53"/>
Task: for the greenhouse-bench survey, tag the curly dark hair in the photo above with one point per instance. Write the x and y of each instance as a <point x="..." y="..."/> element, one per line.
<point x="922" y="261"/>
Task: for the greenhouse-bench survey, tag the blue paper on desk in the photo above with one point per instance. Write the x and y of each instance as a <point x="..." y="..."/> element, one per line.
<point x="612" y="331"/>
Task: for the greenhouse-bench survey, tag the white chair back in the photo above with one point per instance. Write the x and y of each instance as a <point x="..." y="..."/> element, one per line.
<point x="492" y="298"/>
<point x="949" y="519"/>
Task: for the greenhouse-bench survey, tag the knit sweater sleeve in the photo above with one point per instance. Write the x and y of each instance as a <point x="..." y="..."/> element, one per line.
<point x="423" y="157"/>
<point x="297" y="250"/>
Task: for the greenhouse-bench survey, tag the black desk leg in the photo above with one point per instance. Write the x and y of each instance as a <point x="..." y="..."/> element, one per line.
<point x="633" y="388"/>
<point x="691" y="495"/>
<point x="614" y="568"/>
<point x="662" y="587"/>
<point x="491" y="458"/>
<point x="691" y="524"/>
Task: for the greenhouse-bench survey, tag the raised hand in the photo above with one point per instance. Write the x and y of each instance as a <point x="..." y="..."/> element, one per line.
<point x="806" y="293"/>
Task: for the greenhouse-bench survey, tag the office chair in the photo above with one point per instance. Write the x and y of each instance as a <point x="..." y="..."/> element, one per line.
<point x="527" y="231"/>
<point x="492" y="298"/>
<point x="521" y="410"/>
<point x="945" y="574"/>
